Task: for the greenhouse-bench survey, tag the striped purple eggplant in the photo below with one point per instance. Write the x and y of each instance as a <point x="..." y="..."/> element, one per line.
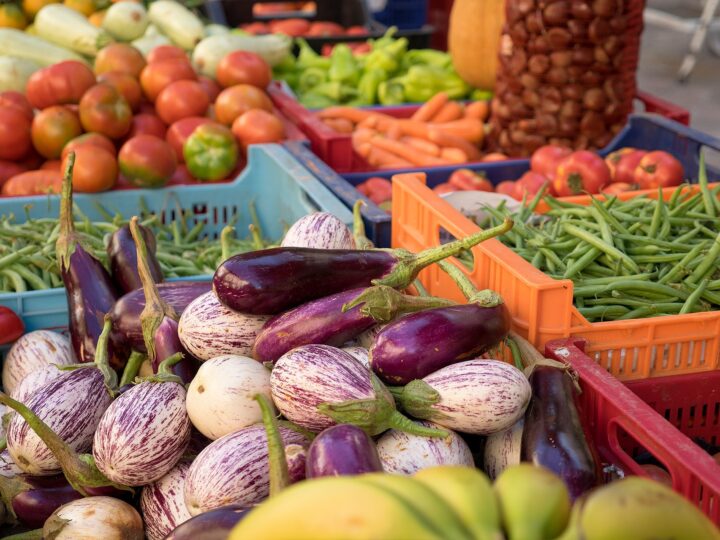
<point x="208" y="329"/>
<point x="270" y="281"/>
<point x="318" y="386"/>
<point x="342" y="450"/>
<point x="502" y="449"/>
<point x="212" y="525"/>
<point x="233" y="470"/>
<point x="95" y="518"/>
<point x="418" y="344"/>
<point x="361" y="354"/>
<point x="34" y="381"/>
<point x="296" y="457"/>
<point x="123" y="259"/>
<point x="163" y="503"/>
<point x="34" y="351"/>
<point x="402" y="453"/>
<point x="125" y="313"/>
<point x="319" y="230"/>
<point x="8" y="468"/>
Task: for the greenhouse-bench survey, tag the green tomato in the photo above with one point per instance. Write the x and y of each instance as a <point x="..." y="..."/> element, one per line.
<point x="211" y="152"/>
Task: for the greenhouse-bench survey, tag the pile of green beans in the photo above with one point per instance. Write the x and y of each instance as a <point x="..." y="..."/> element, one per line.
<point x="27" y="248"/>
<point x="627" y="259"/>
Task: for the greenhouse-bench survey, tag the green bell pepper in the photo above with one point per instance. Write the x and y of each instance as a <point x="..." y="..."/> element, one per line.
<point x="211" y="152"/>
<point x="423" y="82"/>
<point x="392" y="92"/>
<point x="307" y="57"/>
<point x="335" y="90"/>
<point x="368" y="86"/>
<point x="310" y="78"/>
<point x="342" y="65"/>
<point x="383" y="60"/>
<point x="426" y="57"/>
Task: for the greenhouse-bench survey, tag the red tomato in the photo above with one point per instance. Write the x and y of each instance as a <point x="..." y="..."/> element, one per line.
<point x="181" y="177"/>
<point x="119" y="57"/>
<point x="179" y="132"/>
<point x="212" y="89"/>
<point x="356" y="31"/>
<point x="256" y="28"/>
<point x="181" y="99"/>
<point x="8" y="169"/>
<point x="147" y="124"/>
<point x="545" y="160"/>
<point x="95" y="169"/>
<point x="167" y="52"/>
<point x="38" y="182"/>
<point x="494" y="156"/>
<point x="104" y="110"/>
<point x="508" y="187"/>
<point x="581" y="172"/>
<point x="467" y="180"/>
<point x="659" y="169"/>
<point x="238" y="99"/>
<point x="53" y="128"/>
<point x="257" y="126"/>
<point x="618" y="187"/>
<point x="127" y="85"/>
<point x="11" y="326"/>
<point x="377" y="189"/>
<point x="96" y="140"/>
<point x="17" y="100"/>
<point x="290" y="27"/>
<point x="15" y="133"/>
<point x="444" y="187"/>
<point x="59" y="84"/>
<point x="658" y="474"/>
<point x="243" y="67"/>
<point x="324" y="28"/>
<point x="531" y="182"/>
<point x="147" y="161"/>
<point x="157" y="75"/>
<point x="622" y="164"/>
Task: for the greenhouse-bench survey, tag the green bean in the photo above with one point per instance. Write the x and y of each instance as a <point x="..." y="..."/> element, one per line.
<point x="692" y="300"/>
<point x="678" y="269"/>
<point x="647" y="287"/>
<point x="603" y="312"/>
<point x="657" y="214"/>
<point x="596" y="242"/>
<point x="580" y="264"/>
<point x="14" y="279"/>
<point x="35" y="281"/>
<point x="685" y="205"/>
<point x="12" y="258"/>
<point x="668" y="257"/>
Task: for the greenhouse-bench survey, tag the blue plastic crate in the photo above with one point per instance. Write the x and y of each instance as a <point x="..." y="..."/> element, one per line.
<point x="645" y="131"/>
<point x="405" y="14"/>
<point x="281" y="189"/>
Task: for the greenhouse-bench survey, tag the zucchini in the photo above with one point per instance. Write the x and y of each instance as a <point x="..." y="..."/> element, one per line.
<point x="15" y="72"/>
<point x="18" y="44"/>
<point x="216" y="30"/>
<point x="66" y="27"/>
<point x="177" y="22"/>
<point x="212" y="49"/>
<point x="126" y="21"/>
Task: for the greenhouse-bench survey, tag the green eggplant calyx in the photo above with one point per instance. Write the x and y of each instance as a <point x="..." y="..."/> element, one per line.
<point x="384" y="303"/>
<point x="417" y="399"/>
<point x="164" y="373"/>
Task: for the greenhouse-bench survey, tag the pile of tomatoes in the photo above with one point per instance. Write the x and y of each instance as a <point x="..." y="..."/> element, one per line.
<point x="297" y="27"/>
<point x="133" y="122"/>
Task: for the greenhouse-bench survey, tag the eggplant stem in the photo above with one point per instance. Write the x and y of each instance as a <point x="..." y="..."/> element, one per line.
<point x="256" y="237"/>
<point x="164" y="373"/>
<point x="420" y="288"/>
<point x="225" y="238"/>
<point x="467" y="288"/>
<point x="279" y="474"/>
<point x="101" y="356"/>
<point x="529" y="354"/>
<point x="383" y="303"/>
<point x="297" y="429"/>
<point x="361" y="240"/>
<point x="515" y="351"/>
<point x="403" y="423"/>
<point x="417" y="398"/>
<point x="67" y="240"/>
<point x="131" y="368"/>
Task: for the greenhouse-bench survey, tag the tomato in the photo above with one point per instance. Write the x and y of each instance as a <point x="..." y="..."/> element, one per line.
<point x="181" y="177"/>
<point x="127" y="85"/>
<point x="59" y="84"/>
<point x="545" y="160"/>
<point x="212" y="89"/>
<point x="96" y="140"/>
<point x="290" y="27"/>
<point x="234" y="101"/>
<point x="657" y="473"/>
<point x="147" y="161"/>
<point x="37" y="182"/>
<point x="51" y="165"/>
<point x="377" y="189"/>
<point x="181" y="99"/>
<point x="210" y="152"/>
<point x="243" y="67"/>
<point x="581" y="172"/>
<point x="256" y="127"/>
<point x="15" y="133"/>
<point x="167" y="52"/>
<point x="622" y="164"/>
<point x="17" y="100"/>
<point x="8" y="169"/>
<point x="509" y="188"/>
<point x="444" y="187"/>
<point x="531" y="182"/>
<point x="256" y="28"/>
<point x="104" y="110"/>
<point x="95" y="169"/>
<point x="324" y="28"/>
<point x="53" y="128"/>
<point x="467" y="180"/>
<point x="11" y="326"/>
<point x="618" y="187"/>
<point x="178" y="133"/>
<point x="356" y="31"/>
<point x="494" y="156"/>
<point x="157" y="75"/>
<point x="147" y="124"/>
<point x="659" y="169"/>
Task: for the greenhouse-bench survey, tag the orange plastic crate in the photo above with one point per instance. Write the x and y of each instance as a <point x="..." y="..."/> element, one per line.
<point x="542" y="307"/>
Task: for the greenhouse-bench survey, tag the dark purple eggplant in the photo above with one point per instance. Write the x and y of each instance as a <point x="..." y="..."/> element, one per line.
<point x="123" y="259"/>
<point x="342" y="450"/>
<point x="125" y="314"/>
<point x="325" y="321"/>
<point x="90" y="290"/>
<point x="212" y="525"/>
<point x="269" y="281"/>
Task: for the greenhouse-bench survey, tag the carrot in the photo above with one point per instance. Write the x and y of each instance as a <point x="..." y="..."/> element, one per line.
<point x="36" y="182"/>
<point x="423" y="145"/>
<point x="413" y="128"/>
<point x="361" y="135"/>
<point x="408" y="153"/>
<point x="470" y="129"/>
<point x="348" y="113"/>
<point x="386" y="160"/>
<point x="477" y="109"/>
<point x="381" y="122"/>
<point x="363" y="149"/>
<point x="447" y="140"/>
<point x="430" y="108"/>
<point x="394" y="132"/>
<point x="454" y="154"/>
<point x="452" y="110"/>
<point x="341" y="125"/>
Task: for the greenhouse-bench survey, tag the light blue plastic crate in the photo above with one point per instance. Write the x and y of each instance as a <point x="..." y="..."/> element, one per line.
<point x="279" y="187"/>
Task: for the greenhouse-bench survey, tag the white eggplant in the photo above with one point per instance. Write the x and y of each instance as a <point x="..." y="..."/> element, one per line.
<point x="177" y="22"/>
<point x="15" y="72"/>
<point x="34" y="351"/>
<point x="502" y="449"/>
<point x="126" y="21"/>
<point x="94" y="518"/>
<point x="208" y="53"/>
<point x="33" y="381"/>
<point x="163" y="503"/>
<point x="68" y="28"/>
<point x="320" y="230"/>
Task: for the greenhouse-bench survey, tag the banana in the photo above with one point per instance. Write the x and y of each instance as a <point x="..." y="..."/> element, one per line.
<point x="534" y="503"/>
<point x="469" y="492"/>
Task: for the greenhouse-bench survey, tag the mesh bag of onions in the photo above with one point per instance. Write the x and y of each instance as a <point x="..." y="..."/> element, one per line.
<point x="562" y="76"/>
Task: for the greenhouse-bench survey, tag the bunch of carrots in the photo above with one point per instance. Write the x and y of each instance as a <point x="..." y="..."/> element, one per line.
<point x="440" y="132"/>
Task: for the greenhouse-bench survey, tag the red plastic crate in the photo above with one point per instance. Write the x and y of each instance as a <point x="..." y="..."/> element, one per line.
<point x="656" y="417"/>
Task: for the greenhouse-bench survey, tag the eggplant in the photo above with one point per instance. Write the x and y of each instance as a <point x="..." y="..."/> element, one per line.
<point x="233" y="469"/>
<point x="420" y="343"/>
<point x="34" y="381"/>
<point x="296" y="458"/>
<point x="211" y="525"/>
<point x="319" y="230"/>
<point x="478" y="396"/>
<point x="270" y="281"/>
<point x="126" y="312"/>
<point x="335" y="320"/>
<point x="208" y="329"/>
<point x="95" y="517"/>
<point x="91" y="292"/>
<point x="163" y="503"/>
<point x="123" y="259"/>
<point x="402" y="453"/>
<point x="35" y="498"/>
<point x="361" y="354"/>
<point x="342" y="450"/>
<point x="318" y="386"/>
<point x="221" y="397"/>
<point x="502" y="450"/>
<point x="34" y="351"/>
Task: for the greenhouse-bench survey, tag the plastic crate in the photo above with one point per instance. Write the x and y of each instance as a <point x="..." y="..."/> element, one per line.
<point x="658" y="419"/>
<point x="542" y="307"/>
<point x="405" y="14"/>
<point x="280" y="188"/>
